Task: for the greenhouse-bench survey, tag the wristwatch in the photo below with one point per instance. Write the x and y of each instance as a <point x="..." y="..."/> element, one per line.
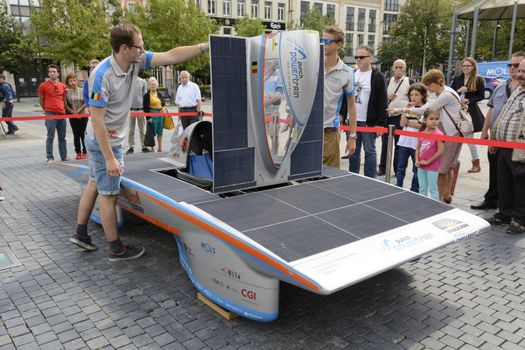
<point x="353" y="136"/>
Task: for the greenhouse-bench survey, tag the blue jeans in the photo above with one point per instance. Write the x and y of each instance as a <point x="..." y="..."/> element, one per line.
<point x="428" y="183"/>
<point x="368" y="141"/>
<point x="60" y="126"/>
<point x="402" y="164"/>
<point x="106" y="185"/>
<point x="7" y="112"/>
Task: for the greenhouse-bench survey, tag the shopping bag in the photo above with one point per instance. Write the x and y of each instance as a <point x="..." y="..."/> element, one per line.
<point x="168" y="123"/>
<point x="149" y="138"/>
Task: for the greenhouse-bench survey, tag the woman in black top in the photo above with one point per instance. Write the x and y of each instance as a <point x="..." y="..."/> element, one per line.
<point x="470" y="87"/>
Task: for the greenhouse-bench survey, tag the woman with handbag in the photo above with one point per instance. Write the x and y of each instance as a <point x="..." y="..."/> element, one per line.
<point x="153" y="102"/>
<point x="448" y="105"/>
<point x="470" y="87"/>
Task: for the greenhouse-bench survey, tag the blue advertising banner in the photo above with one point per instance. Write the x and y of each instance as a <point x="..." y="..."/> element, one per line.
<point x="496" y="69"/>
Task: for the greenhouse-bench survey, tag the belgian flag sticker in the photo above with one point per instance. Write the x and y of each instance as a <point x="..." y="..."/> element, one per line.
<point x="254" y="67"/>
<point x="95" y="96"/>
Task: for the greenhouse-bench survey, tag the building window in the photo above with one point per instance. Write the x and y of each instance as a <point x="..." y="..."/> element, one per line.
<point x="361" y="20"/>
<point x="255" y="9"/>
<point x="211" y="7"/>
<point x="388" y="21"/>
<point x="319" y="7"/>
<point x="132" y="7"/>
<point x="371" y="21"/>
<point x="360" y="39"/>
<point x="267" y="10"/>
<point x="350" y="44"/>
<point x="280" y="12"/>
<point x="227" y="30"/>
<point x="350" y="18"/>
<point x="392" y="5"/>
<point x="330" y="10"/>
<point x="240" y="8"/>
<point x="226" y="8"/>
<point x="371" y="41"/>
<point x="305" y="6"/>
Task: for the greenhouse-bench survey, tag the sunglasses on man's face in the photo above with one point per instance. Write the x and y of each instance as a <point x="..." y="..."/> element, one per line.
<point x="328" y="41"/>
<point x="360" y="57"/>
<point x="513" y="65"/>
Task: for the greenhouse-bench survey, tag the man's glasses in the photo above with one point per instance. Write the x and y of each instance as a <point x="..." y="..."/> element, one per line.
<point x="328" y="41"/>
<point x="141" y="48"/>
<point x="360" y="57"/>
<point x="513" y="65"/>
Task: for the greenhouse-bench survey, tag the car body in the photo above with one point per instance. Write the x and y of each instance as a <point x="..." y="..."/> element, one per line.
<point x="490" y="85"/>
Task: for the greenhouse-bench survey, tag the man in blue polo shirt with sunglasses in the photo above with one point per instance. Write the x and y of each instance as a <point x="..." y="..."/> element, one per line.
<point x="338" y="84"/>
<point x="110" y="87"/>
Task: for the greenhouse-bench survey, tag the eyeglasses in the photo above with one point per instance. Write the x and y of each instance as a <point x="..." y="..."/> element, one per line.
<point x="328" y="41"/>
<point x="513" y="65"/>
<point x="360" y="57"/>
<point x="141" y="48"/>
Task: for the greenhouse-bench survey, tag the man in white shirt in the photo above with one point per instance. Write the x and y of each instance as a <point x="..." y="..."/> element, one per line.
<point x="397" y="91"/>
<point x="140" y="88"/>
<point x="371" y="104"/>
<point x="188" y="98"/>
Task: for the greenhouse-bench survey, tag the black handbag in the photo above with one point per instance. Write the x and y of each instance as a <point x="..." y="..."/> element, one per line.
<point x="149" y="138"/>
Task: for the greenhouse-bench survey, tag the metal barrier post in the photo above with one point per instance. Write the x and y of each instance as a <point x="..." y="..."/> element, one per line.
<point x="390" y="148"/>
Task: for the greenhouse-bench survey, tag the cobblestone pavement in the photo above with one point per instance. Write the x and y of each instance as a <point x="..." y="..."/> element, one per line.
<point x="468" y="295"/>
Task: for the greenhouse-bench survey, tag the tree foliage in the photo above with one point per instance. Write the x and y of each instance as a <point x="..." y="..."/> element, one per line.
<point x="16" y="50"/>
<point x="313" y="20"/>
<point x="166" y="24"/>
<point x="247" y="27"/>
<point x="71" y="30"/>
<point x="421" y="35"/>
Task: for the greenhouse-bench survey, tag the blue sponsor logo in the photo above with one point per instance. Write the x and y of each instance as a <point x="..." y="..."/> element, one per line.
<point x="208" y="248"/>
<point x="404" y="243"/>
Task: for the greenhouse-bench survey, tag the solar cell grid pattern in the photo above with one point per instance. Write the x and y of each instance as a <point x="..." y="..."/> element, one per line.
<point x="302" y="220"/>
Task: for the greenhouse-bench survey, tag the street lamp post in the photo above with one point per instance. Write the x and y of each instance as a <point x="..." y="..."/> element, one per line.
<point x="494" y="38"/>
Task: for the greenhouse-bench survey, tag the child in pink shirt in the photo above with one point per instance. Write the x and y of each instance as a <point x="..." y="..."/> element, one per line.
<point x="428" y="154"/>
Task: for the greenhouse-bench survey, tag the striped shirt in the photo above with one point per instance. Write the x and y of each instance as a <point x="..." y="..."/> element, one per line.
<point x="74" y="98"/>
<point x="510" y="116"/>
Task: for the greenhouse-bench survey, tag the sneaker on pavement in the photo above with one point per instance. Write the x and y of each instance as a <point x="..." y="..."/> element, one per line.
<point x="129" y="253"/>
<point x="484" y="205"/>
<point x="82" y="241"/>
<point x="515" y="229"/>
<point x="498" y="220"/>
<point x="79" y="156"/>
<point x="50" y="160"/>
<point x="130" y="150"/>
<point x="67" y="159"/>
<point x="145" y="149"/>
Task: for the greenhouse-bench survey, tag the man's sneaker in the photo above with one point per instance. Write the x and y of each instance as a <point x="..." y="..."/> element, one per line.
<point x="129" y="253"/>
<point x="145" y="149"/>
<point x="496" y="220"/>
<point x="50" y="160"/>
<point x="515" y="229"/>
<point x="130" y="150"/>
<point x="67" y="159"/>
<point x="82" y="241"/>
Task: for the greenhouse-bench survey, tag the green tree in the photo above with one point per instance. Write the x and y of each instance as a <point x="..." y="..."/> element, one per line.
<point x="71" y="30"/>
<point x="16" y="48"/>
<point x="313" y="20"/>
<point x="166" y="24"/>
<point x="421" y="35"/>
<point x="247" y="27"/>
